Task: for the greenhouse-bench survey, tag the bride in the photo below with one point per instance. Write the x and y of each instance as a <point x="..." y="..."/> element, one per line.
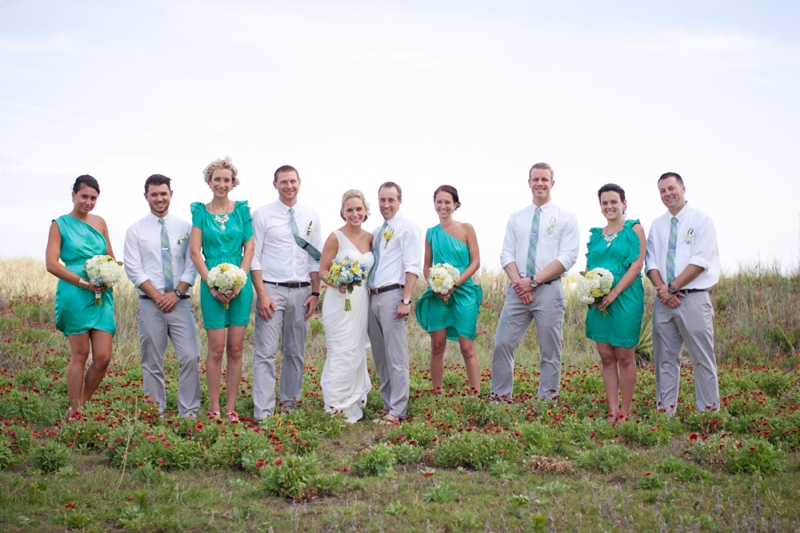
<point x="345" y="380"/>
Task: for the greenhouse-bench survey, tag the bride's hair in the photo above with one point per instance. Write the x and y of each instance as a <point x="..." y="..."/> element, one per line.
<point x="354" y="193"/>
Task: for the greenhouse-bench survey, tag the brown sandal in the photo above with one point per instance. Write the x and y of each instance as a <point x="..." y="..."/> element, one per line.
<point x="387" y="420"/>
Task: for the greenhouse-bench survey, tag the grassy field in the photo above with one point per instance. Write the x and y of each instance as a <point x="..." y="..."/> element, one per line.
<point x="458" y="464"/>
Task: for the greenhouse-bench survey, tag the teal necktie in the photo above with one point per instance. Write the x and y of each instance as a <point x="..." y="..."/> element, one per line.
<point x="166" y="257"/>
<point x="302" y="243"/>
<point x="673" y="242"/>
<point x="376" y="253"/>
<point x="530" y="266"/>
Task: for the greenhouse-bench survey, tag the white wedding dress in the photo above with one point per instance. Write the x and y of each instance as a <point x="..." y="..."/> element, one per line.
<point x="345" y="379"/>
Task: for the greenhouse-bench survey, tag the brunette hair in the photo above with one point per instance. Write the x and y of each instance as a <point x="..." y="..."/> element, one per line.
<point x="451" y="191"/>
<point x="612" y="187"/>
<point x="285" y="168"/>
<point x="157" y="179"/>
<point x="85" y="181"/>
<point x="667" y="175"/>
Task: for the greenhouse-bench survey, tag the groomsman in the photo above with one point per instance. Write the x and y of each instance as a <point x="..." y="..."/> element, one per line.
<point x="683" y="263"/>
<point x="541" y="244"/>
<point x="397" y="248"/>
<point x="157" y="262"/>
<point x="285" y="265"/>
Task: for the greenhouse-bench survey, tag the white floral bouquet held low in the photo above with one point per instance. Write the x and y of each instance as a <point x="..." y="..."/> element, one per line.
<point x="347" y="272"/>
<point x="226" y="278"/>
<point x="103" y="271"/>
<point x="593" y="285"/>
<point x="442" y="277"/>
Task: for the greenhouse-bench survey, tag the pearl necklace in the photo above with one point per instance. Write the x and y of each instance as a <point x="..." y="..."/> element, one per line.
<point x="221" y="220"/>
<point x="609" y="237"/>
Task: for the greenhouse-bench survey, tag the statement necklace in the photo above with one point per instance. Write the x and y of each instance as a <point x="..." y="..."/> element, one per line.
<point x="222" y="220"/>
<point x="610" y="237"/>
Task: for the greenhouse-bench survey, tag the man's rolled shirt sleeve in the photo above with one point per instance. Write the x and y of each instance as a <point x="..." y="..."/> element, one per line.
<point x="508" y="255"/>
<point x="133" y="258"/>
<point x="570" y="243"/>
<point x="705" y="244"/>
<point x="412" y="250"/>
<point x="258" y="240"/>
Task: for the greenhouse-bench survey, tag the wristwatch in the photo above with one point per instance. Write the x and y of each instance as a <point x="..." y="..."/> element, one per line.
<point x="178" y="293"/>
<point x="671" y="289"/>
<point x="534" y="283"/>
<point x="405" y="301"/>
<point x="315" y="294"/>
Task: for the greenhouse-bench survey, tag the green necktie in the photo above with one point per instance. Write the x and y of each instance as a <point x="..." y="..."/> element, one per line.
<point x="376" y="254"/>
<point x="673" y="241"/>
<point x="302" y="243"/>
<point x="166" y="257"/>
<point x="530" y="266"/>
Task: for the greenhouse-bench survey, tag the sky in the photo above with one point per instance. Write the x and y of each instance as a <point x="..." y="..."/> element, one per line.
<point x="356" y="93"/>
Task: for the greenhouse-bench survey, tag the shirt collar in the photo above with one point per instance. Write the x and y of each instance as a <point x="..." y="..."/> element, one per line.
<point x="151" y="217"/>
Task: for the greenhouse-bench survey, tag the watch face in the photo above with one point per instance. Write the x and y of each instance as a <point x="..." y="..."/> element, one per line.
<point x="406" y="302"/>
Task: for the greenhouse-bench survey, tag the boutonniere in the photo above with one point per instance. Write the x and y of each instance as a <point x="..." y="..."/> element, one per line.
<point x="183" y="238"/>
<point x="310" y="231"/>
<point x="551" y="225"/>
<point x="688" y="236"/>
<point x="388" y="233"/>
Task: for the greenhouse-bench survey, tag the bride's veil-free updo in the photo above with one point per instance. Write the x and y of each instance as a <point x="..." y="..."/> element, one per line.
<point x="354" y="193"/>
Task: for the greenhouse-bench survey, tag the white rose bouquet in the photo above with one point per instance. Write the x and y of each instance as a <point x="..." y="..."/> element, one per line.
<point x="226" y="278"/>
<point x="104" y="271"/>
<point x="593" y="285"/>
<point x="442" y="277"/>
<point x="347" y="272"/>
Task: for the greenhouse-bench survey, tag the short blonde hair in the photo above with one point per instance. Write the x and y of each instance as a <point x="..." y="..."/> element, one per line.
<point x="226" y="163"/>
<point x="544" y="166"/>
<point x="354" y="193"/>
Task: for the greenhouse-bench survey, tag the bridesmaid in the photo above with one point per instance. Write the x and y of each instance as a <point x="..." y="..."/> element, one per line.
<point x="620" y="248"/>
<point x="222" y="232"/>
<point x="74" y="238"/>
<point x="454" y="243"/>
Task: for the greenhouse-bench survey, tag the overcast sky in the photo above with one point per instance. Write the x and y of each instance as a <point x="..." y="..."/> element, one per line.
<point x="422" y="93"/>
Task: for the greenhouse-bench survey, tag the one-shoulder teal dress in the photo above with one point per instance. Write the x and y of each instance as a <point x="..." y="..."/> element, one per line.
<point x="224" y="246"/>
<point x="76" y="312"/>
<point x="623" y="322"/>
<point x="460" y="315"/>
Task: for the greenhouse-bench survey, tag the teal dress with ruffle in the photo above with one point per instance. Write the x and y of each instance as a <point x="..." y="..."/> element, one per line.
<point x="224" y="246"/>
<point x="623" y="322"/>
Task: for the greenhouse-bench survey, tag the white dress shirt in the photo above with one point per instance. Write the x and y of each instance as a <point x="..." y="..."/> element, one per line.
<point x="559" y="238"/>
<point x="400" y="254"/>
<point x="142" y="254"/>
<point x="277" y="254"/>
<point x="696" y="245"/>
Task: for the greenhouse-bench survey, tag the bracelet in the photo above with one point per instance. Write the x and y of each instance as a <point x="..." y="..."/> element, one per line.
<point x="83" y="283"/>
<point x="315" y="294"/>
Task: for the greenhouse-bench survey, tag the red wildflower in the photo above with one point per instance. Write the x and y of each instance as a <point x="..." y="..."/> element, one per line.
<point x="428" y="473"/>
<point x="70" y="505"/>
<point x="694" y="436"/>
<point x="753" y="448"/>
<point x="139" y="463"/>
<point x="161" y="460"/>
<point x="279" y="448"/>
<point x="259" y="463"/>
<point x="278" y="461"/>
<point x="647" y="473"/>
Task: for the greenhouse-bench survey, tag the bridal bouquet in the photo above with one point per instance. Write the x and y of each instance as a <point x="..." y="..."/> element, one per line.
<point x="593" y="285"/>
<point x="442" y="277"/>
<point x="226" y="277"/>
<point x="102" y="270"/>
<point x="346" y="272"/>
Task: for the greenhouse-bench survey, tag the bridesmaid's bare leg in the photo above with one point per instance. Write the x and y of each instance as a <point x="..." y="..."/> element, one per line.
<point x="626" y="359"/>
<point x="79" y="353"/>
<point x="216" y="349"/>
<point x="234" y="364"/>
<point x="102" y="342"/>
<point x="608" y="357"/>
<point x="472" y="364"/>
<point x="438" y="343"/>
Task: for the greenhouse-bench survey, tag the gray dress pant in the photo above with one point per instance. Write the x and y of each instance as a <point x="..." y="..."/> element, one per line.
<point x="547" y="311"/>
<point x="180" y="327"/>
<point x="289" y="325"/>
<point x="692" y="324"/>
<point x="389" y="339"/>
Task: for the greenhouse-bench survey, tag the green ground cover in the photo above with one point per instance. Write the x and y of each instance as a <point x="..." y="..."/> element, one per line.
<point x="458" y="464"/>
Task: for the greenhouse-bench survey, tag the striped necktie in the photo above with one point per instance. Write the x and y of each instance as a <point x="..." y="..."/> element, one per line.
<point x="376" y="253"/>
<point x="530" y="266"/>
<point x="166" y="257"/>
<point x="302" y="243"/>
<point x="673" y="242"/>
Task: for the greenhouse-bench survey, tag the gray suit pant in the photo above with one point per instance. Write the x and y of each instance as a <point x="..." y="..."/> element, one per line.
<point x="154" y="329"/>
<point x="547" y="311"/>
<point x="288" y="321"/>
<point x="692" y="324"/>
<point x="389" y="339"/>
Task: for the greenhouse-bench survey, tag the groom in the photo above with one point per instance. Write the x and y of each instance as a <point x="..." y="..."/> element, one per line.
<point x="398" y="259"/>
<point x="157" y="262"/>
<point x="285" y="265"/>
